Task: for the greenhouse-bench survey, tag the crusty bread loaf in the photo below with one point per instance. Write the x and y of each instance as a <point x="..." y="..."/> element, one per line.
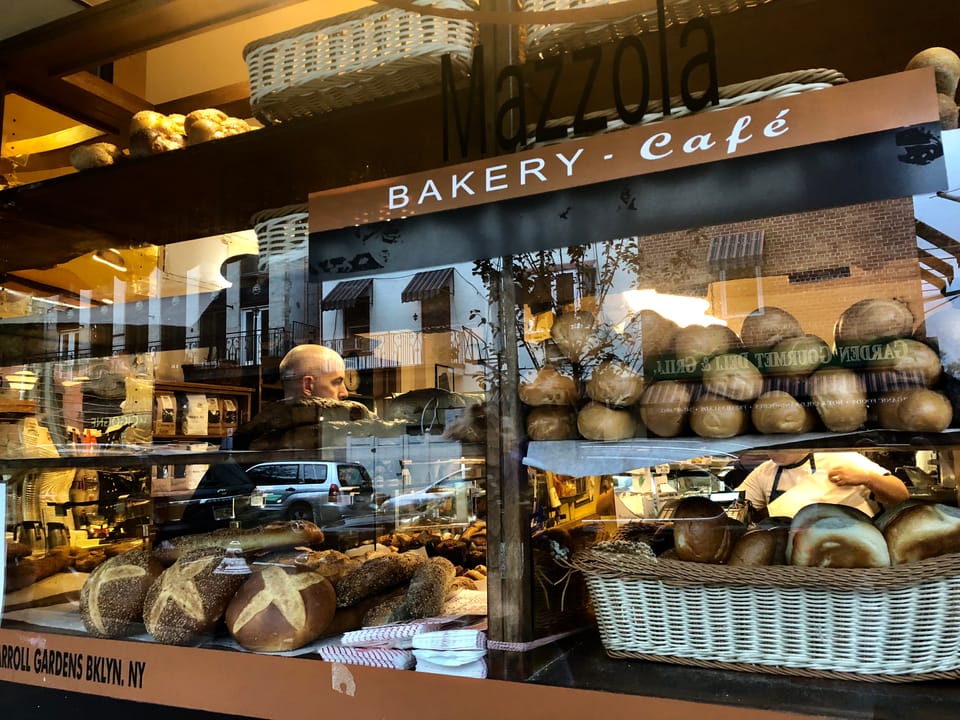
<point x="693" y="343"/>
<point x="280" y="608"/>
<point x="272" y="536"/>
<point x="810" y="514"/>
<point x="702" y="531"/>
<point x="188" y="599"/>
<point x="111" y="599"/>
<point x="615" y="383"/>
<point x="839" y="542"/>
<point x="840" y="398"/>
<point x="765" y="327"/>
<point x="761" y="546"/>
<point x="575" y="334"/>
<point x="376" y="576"/>
<point x="922" y="530"/>
<point x="713" y="416"/>
<point x="549" y="387"/>
<point x="423" y="598"/>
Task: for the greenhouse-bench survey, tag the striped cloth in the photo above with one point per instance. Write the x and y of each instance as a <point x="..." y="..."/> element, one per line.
<point x="390" y="636"/>
<point x="451" y="640"/>
<point x="371" y="657"/>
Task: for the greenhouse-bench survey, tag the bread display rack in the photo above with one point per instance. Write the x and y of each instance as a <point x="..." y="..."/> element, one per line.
<point x="889" y="624"/>
<point x="353" y="58"/>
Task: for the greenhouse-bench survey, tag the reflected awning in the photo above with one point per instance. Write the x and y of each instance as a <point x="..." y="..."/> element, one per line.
<point x="346" y="293"/>
<point x="426" y="285"/>
<point x="736" y="250"/>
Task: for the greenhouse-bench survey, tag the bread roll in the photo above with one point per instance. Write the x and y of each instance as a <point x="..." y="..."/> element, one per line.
<point x="765" y="327"/>
<point x="596" y="421"/>
<point x="762" y="546"/>
<point x="810" y="514"/>
<point x="906" y="362"/>
<point x="713" y="416"/>
<point x="549" y="387"/>
<point x="795" y="356"/>
<point x="111" y="599"/>
<point x="874" y="320"/>
<point x="664" y="407"/>
<point x="575" y="334"/>
<point x="839" y="542"/>
<point x="551" y="422"/>
<point x="915" y="410"/>
<point x="280" y="608"/>
<point x="776" y="411"/>
<point x="840" y="398"/>
<point x="732" y="376"/>
<point x="945" y="64"/>
<point x="693" y="343"/>
<point x="921" y="531"/>
<point x="101" y="154"/>
<point x="188" y="599"/>
<point x="613" y="382"/>
<point x="702" y="531"/>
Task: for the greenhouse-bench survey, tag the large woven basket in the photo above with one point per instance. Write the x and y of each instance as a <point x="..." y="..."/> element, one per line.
<point x="895" y="624"/>
<point x="547" y="39"/>
<point x="281" y="231"/>
<point x="353" y="58"/>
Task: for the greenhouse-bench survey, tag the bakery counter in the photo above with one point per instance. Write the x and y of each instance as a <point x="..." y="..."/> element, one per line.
<point x="582" y="662"/>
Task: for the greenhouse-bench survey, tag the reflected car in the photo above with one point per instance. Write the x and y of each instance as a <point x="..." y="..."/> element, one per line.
<point x="458" y="497"/>
<point x="316" y="490"/>
<point x="222" y="497"/>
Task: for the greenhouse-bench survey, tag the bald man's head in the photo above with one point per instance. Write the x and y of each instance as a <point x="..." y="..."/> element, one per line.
<point x="313" y="371"/>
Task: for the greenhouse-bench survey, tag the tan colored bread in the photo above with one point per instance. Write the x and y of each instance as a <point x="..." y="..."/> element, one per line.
<point x="945" y="64"/>
<point x="693" y="343"/>
<point x="840" y="398"/>
<point x="779" y="412"/>
<point x="574" y="333"/>
<point x="732" y="376"/>
<point x="549" y="387"/>
<point x="765" y="327"/>
<point x="552" y="422"/>
<point x="873" y="320"/>
<point x="615" y="383"/>
<point x="665" y="406"/>
<point x="796" y="356"/>
<point x="712" y="416"/>
<point x="281" y="608"/>
<point x="596" y="421"/>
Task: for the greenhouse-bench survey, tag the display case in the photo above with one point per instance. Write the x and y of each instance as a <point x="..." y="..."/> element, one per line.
<point x="529" y="362"/>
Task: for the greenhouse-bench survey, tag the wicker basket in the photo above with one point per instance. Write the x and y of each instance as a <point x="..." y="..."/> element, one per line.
<point x="280" y="231"/>
<point x="895" y="624"/>
<point x="548" y="39"/>
<point x="353" y="58"/>
<point x="736" y="94"/>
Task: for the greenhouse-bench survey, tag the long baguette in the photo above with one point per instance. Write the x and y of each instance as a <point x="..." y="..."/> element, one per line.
<point x="271" y="536"/>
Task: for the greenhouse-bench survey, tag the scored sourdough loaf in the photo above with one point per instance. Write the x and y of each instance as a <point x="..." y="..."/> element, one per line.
<point x="280" y="608"/>
<point x="188" y="599"/>
<point x="111" y="599"/>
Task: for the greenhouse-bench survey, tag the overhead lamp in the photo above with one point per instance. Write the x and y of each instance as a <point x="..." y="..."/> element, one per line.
<point x="111" y="258"/>
<point x="21" y="380"/>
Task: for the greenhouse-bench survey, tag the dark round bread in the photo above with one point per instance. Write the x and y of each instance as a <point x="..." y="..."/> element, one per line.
<point x="111" y="599"/>
<point x="188" y="599"/>
<point x="702" y="531"/>
<point x="280" y="608"/>
<point x="921" y="531"/>
<point x="762" y="546"/>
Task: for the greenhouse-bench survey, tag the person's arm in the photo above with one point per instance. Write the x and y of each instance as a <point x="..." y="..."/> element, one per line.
<point x="888" y="489"/>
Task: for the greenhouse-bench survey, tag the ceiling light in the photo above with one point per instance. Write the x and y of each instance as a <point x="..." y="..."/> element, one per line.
<point x="111" y="258"/>
<point x="21" y="380"/>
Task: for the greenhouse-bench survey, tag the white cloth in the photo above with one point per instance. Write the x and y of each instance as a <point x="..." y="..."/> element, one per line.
<point x="758" y="485"/>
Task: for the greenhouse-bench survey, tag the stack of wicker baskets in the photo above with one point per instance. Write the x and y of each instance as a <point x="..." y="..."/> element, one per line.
<point x="353" y="58"/>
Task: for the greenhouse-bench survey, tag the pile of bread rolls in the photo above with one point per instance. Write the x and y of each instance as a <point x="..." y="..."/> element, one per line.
<point x="267" y="587"/>
<point x="819" y="535"/>
<point x="658" y="379"/>
<point x="152" y="132"/>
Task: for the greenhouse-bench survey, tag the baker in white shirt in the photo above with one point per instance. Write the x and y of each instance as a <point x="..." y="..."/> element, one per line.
<point x="790" y="479"/>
